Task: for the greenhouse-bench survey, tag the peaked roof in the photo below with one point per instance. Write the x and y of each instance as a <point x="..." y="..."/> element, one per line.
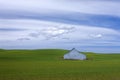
<point x="74" y="50"/>
<point x="74" y="54"/>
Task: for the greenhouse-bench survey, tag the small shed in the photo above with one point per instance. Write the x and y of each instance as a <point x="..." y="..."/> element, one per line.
<point x="75" y="55"/>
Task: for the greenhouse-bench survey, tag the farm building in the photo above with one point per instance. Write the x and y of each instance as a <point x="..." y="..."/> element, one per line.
<point x="74" y="54"/>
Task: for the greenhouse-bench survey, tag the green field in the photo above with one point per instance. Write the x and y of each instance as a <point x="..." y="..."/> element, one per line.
<point x="49" y="65"/>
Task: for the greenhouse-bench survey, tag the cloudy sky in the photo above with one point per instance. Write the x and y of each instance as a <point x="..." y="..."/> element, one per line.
<point x="88" y="25"/>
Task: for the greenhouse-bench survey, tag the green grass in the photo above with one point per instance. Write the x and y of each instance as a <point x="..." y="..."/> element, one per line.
<point x="48" y="64"/>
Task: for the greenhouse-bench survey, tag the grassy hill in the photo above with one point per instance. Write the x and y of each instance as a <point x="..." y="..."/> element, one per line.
<point x="48" y="64"/>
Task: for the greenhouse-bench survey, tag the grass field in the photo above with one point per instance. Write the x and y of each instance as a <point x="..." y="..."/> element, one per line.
<point x="49" y="65"/>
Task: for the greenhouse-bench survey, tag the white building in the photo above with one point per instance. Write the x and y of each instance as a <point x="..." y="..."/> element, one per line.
<point x="74" y="54"/>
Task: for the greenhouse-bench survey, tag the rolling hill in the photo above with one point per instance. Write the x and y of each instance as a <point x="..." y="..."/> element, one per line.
<point x="48" y="64"/>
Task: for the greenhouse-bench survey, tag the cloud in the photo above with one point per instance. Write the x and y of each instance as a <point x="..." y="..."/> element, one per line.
<point x="96" y="13"/>
<point x="106" y="7"/>
<point x="42" y="24"/>
<point x="52" y="32"/>
<point x="22" y="39"/>
<point x="60" y="31"/>
<point x="11" y="29"/>
<point x="59" y="35"/>
<point x="43" y="34"/>
<point x="96" y="35"/>
<point x="66" y="17"/>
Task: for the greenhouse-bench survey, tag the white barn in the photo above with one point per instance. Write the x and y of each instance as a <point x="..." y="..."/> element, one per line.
<point x="74" y="54"/>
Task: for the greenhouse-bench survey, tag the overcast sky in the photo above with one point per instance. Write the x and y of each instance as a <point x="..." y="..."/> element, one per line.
<point x="88" y="25"/>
